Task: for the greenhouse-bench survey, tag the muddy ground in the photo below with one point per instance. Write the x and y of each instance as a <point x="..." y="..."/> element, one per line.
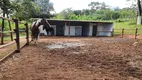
<point x="94" y="59"/>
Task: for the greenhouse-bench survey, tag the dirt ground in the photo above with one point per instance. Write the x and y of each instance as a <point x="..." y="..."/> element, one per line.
<point x="98" y="59"/>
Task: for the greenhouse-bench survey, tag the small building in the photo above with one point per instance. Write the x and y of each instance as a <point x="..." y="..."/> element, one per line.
<point x="80" y="28"/>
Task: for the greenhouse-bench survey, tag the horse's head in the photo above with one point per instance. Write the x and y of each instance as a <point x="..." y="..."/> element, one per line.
<point x="43" y="21"/>
<point x="45" y="24"/>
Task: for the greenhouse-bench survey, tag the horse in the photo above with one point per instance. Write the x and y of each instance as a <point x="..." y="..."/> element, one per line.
<point x="35" y="31"/>
<point x="49" y="30"/>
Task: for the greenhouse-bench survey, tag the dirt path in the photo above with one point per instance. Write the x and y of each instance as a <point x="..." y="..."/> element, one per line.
<point x="98" y="59"/>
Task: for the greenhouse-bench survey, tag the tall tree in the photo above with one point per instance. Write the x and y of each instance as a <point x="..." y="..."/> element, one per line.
<point x="97" y="5"/>
<point x="139" y="20"/>
<point x="45" y="6"/>
<point x="66" y="13"/>
<point x="24" y="9"/>
<point x="5" y="6"/>
<point x="139" y="10"/>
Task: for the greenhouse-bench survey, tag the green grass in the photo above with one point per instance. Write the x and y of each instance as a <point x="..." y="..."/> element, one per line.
<point x="6" y="28"/>
<point x="129" y="27"/>
<point x="8" y="38"/>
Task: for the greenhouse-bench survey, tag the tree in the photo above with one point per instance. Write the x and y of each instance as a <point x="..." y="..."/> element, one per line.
<point x="5" y="6"/>
<point x="45" y="6"/>
<point x="77" y="12"/>
<point x="86" y="12"/>
<point x="97" y="6"/>
<point x="139" y="11"/>
<point x="24" y="9"/>
<point x="66" y="13"/>
<point x="139" y="20"/>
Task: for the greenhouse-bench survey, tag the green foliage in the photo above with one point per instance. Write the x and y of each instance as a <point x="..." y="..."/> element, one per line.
<point x="45" y="7"/>
<point x="24" y="9"/>
<point x="97" y="6"/>
<point x="5" y="6"/>
<point x="98" y="11"/>
<point x="128" y="25"/>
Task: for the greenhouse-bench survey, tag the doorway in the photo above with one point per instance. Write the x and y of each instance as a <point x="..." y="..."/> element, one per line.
<point x="78" y="31"/>
<point x="95" y="29"/>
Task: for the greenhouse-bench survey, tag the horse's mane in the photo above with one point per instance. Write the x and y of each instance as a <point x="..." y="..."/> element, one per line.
<point x="37" y="22"/>
<point x="47" y="23"/>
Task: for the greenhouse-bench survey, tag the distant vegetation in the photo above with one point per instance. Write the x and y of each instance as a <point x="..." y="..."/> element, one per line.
<point x="102" y="12"/>
<point x="26" y="9"/>
<point x="98" y="11"/>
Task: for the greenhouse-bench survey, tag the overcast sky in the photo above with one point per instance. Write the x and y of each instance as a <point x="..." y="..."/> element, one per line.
<point x="60" y="5"/>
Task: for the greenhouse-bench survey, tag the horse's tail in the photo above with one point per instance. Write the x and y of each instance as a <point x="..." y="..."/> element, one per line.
<point x="52" y="31"/>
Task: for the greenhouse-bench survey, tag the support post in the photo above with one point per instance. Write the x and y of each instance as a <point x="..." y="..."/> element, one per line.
<point x="68" y="29"/>
<point x="27" y="33"/>
<point x="17" y="35"/>
<point x="112" y="32"/>
<point x="2" y="35"/>
<point x="136" y="33"/>
<point x="65" y="29"/>
<point x="122" y="32"/>
<point x="11" y="34"/>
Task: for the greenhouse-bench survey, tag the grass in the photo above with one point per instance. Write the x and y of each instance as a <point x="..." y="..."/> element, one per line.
<point x="6" y="28"/>
<point x="129" y="27"/>
<point x="8" y="38"/>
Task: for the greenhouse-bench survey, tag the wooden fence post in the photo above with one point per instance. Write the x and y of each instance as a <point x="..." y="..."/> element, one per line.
<point x="27" y="33"/>
<point x="136" y="33"/>
<point x="2" y="34"/>
<point x="122" y="32"/>
<point x="17" y="35"/>
<point x="11" y="34"/>
<point x="112" y="32"/>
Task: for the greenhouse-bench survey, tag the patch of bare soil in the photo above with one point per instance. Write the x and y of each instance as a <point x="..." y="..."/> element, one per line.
<point x="130" y="36"/>
<point x="10" y="47"/>
<point x="100" y="59"/>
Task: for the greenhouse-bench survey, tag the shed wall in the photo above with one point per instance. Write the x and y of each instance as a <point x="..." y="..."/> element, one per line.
<point x="104" y="29"/>
<point x="72" y="30"/>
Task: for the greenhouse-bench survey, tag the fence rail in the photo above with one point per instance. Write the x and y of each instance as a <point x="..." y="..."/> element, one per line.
<point x="16" y="30"/>
<point x="124" y="31"/>
<point x="136" y="32"/>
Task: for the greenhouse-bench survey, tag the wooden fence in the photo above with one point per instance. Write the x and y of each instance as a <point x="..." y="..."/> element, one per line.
<point x="123" y="32"/>
<point x="17" y="32"/>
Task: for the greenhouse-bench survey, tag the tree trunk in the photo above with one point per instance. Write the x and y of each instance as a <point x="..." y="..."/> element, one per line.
<point x="2" y="29"/>
<point x="139" y="19"/>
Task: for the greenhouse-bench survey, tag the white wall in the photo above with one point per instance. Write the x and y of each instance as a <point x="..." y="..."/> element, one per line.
<point x="103" y="27"/>
<point x="72" y="30"/>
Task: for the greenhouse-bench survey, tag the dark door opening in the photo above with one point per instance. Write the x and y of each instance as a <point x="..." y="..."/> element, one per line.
<point x="60" y="30"/>
<point x="78" y="31"/>
<point x="94" y="30"/>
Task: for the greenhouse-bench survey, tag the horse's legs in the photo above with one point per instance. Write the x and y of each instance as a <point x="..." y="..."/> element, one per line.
<point x="36" y="38"/>
<point x="32" y="38"/>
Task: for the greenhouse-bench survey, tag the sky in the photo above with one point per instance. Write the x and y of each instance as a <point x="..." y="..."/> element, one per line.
<point x="60" y="5"/>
